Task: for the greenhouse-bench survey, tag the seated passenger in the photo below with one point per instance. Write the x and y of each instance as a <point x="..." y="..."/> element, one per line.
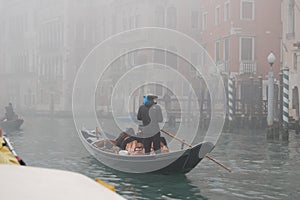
<point x="133" y="145"/>
<point x="135" y="148"/>
<point x="163" y="146"/>
<point x="127" y="142"/>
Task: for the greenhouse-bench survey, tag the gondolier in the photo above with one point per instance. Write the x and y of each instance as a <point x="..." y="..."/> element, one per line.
<point x="150" y="114"/>
<point x="11" y="120"/>
<point x="10" y="114"/>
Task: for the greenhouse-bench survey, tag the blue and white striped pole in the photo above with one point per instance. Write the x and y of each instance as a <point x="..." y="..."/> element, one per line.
<point x="285" y="111"/>
<point x="230" y="99"/>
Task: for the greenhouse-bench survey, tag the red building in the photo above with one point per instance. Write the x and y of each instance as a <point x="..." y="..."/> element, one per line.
<point x="239" y="34"/>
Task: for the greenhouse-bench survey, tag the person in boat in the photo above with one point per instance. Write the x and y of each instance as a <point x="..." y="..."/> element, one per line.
<point x="163" y="145"/>
<point x="9" y="113"/>
<point x="125" y="141"/>
<point x="134" y="146"/>
<point x="151" y="115"/>
<point x="125" y="138"/>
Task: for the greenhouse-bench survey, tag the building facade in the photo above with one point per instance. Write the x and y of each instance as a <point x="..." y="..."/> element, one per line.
<point x="43" y="43"/>
<point x="18" y="63"/>
<point x="291" y="51"/>
<point x="182" y="16"/>
<point x="239" y="34"/>
<point x="48" y="40"/>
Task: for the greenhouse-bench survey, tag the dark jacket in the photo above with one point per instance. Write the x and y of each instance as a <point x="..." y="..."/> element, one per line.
<point x="10" y="114"/>
<point x="150" y="114"/>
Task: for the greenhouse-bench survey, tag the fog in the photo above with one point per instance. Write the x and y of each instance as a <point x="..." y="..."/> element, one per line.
<point x="46" y="46"/>
<point x="44" y="43"/>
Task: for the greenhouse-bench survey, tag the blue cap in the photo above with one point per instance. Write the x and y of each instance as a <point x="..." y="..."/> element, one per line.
<point x="145" y="99"/>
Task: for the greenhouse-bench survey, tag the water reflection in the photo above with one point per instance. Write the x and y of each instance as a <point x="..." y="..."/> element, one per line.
<point x="142" y="186"/>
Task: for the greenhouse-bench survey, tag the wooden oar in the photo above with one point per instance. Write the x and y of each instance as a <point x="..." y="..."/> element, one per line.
<point x="189" y="145"/>
<point x="176" y="138"/>
<point x="220" y="164"/>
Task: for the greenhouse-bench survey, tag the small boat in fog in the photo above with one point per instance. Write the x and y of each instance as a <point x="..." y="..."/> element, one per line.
<point x="173" y="162"/>
<point x="11" y="125"/>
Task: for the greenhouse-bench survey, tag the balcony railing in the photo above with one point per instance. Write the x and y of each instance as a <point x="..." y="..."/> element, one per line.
<point x="248" y="67"/>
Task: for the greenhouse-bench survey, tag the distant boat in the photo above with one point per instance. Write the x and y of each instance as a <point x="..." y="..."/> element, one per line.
<point x="174" y="162"/>
<point x="11" y="125"/>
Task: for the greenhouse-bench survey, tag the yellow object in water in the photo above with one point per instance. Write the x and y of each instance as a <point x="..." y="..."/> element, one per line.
<point x="111" y="187"/>
<point x="6" y="156"/>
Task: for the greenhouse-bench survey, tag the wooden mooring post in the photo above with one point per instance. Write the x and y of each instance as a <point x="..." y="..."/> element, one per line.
<point x="246" y="107"/>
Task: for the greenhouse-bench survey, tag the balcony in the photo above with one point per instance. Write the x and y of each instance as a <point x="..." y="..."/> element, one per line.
<point x="248" y="67"/>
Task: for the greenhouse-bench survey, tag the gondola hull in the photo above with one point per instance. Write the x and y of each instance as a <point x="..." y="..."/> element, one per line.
<point x="11" y="125"/>
<point x="181" y="161"/>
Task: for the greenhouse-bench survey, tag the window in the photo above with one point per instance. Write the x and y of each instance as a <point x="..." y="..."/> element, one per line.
<point x="204" y="21"/>
<point x="217" y="52"/>
<point x="217" y="15"/>
<point x="195" y="19"/>
<point x="113" y="24"/>
<point x="159" y="89"/>
<point x="171" y="58"/>
<point x="159" y="56"/>
<point x="137" y="21"/>
<point x="291" y="19"/>
<point x="195" y="59"/>
<point x="131" y="22"/>
<point x="203" y="56"/>
<point x="226" y="11"/>
<point x="226" y="54"/>
<point x="295" y="61"/>
<point x="160" y="16"/>
<point x="247" y="49"/>
<point x="186" y="88"/>
<point x="247" y="10"/>
<point x="124" y="23"/>
<point x="171" y="17"/>
<point x="295" y="99"/>
<point x="226" y="49"/>
<point x="104" y="25"/>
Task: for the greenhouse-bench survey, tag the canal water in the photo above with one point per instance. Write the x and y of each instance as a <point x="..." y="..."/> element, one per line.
<point x="263" y="169"/>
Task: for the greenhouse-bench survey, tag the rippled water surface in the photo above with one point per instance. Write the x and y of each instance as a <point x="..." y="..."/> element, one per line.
<point x="263" y="169"/>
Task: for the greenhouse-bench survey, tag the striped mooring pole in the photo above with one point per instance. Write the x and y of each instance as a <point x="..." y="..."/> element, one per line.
<point x="285" y="111"/>
<point x="230" y="99"/>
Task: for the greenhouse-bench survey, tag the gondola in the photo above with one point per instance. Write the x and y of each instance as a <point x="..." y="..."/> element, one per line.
<point x="175" y="162"/>
<point x="11" y="125"/>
